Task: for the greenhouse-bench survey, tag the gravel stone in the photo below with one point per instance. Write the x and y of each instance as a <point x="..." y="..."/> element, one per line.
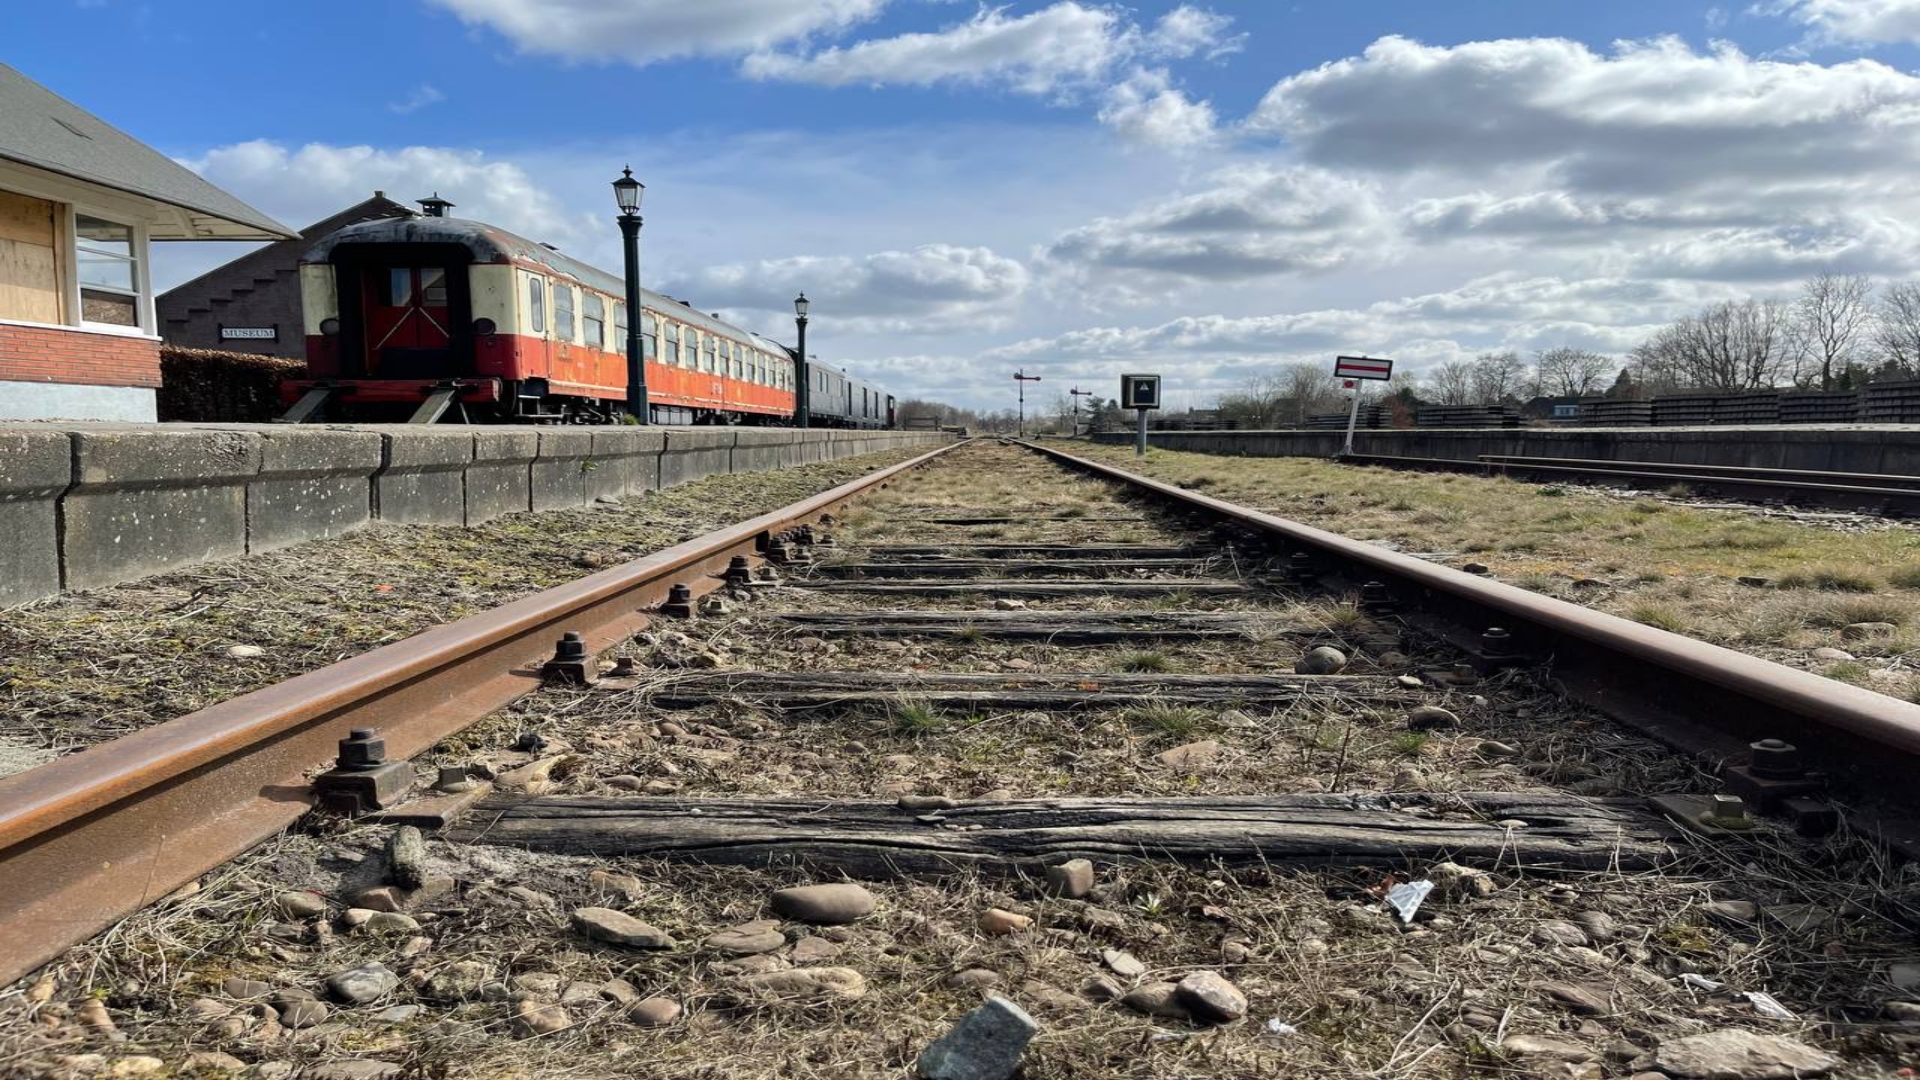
<point x="1430" y="718"/>
<point x="619" y="928"/>
<point x="1559" y="932"/>
<point x="761" y="935"/>
<point x="1157" y="999"/>
<point x="986" y="1044"/>
<point x="1209" y="996"/>
<point x="531" y="1019"/>
<point x="407" y="857"/>
<point x="1321" y="661"/>
<point x="1072" y="879"/>
<point x="654" y="1012"/>
<point x="1191" y="755"/>
<point x="300" y="905"/>
<point x="842" y="902"/>
<point x="303" y="1013"/>
<point x="999" y="921"/>
<point x="1736" y="1054"/>
<point x="357" y="986"/>
<point x="1579" y="999"/>
<point x="245" y="989"/>
<point x="1123" y="963"/>
<point x="354" y="1069"/>
<point x="973" y="979"/>
<point x="606" y="885"/>
<point x="1737" y="911"/>
<point x="808" y="984"/>
<point x="814" y="950"/>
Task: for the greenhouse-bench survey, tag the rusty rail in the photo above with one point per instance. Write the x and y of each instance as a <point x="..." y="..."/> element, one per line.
<point x="90" y="838"/>
<point x="1694" y="694"/>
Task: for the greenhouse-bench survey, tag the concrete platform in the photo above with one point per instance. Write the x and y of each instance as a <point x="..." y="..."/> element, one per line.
<point x="85" y="505"/>
<point x="1862" y="448"/>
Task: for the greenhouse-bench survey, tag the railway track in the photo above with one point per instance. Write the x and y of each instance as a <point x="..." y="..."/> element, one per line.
<point x="1866" y="493"/>
<point x="1007" y="658"/>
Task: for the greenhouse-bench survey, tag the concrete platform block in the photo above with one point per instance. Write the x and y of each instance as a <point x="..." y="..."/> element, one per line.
<point x="558" y="476"/>
<point x="626" y="462"/>
<point x="150" y="499"/>
<point x="763" y="449"/>
<point x="693" y="453"/>
<point x="499" y="482"/>
<point x="313" y="483"/>
<point x="422" y="477"/>
<point x="36" y="468"/>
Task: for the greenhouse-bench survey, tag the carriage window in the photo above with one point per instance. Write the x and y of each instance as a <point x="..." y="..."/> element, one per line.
<point x="593" y="318"/>
<point x="713" y="357"/>
<point x="563" y="311"/>
<point x="433" y="288"/>
<point x="399" y="288"/>
<point x="620" y="325"/>
<point x="537" y="304"/>
<point x="673" y="344"/>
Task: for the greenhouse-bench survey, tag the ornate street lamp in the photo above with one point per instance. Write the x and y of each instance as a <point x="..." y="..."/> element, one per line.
<point x="803" y="380"/>
<point x="627" y="192"/>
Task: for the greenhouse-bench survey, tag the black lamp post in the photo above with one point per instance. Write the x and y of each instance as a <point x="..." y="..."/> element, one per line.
<point x="627" y="192"/>
<point x="803" y="400"/>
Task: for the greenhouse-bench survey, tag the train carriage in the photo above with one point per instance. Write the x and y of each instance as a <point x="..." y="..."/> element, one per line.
<point x="425" y="316"/>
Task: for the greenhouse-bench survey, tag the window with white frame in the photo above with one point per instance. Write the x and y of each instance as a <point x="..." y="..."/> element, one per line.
<point x="107" y="267"/>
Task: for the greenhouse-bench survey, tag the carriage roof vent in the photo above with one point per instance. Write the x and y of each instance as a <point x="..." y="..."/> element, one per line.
<point x="434" y="205"/>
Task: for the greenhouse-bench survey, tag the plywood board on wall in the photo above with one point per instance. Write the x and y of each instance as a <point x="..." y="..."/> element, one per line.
<point x="30" y="285"/>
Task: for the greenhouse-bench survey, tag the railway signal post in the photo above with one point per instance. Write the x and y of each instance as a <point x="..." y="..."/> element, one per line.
<point x="1140" y="393"/>
<point x="1077" y="395"/>
<point x="627" y="192"/>
<point x="1021" y="379"/>
<point x="1352" y="369"/>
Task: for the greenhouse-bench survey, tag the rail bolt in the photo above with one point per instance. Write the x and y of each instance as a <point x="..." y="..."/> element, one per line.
<point x="363" y="748"/>
<point x="1776" y="759"/>
<point x="1300" y="565"/>
<point x="804" y="534"/>
<point x="679" y="602"/>
<point x="362" y="778"/>
<point x="739" y="571"/>
<point x="1495" y="641"/>
<point x="570" y="663"/>
<point x="623" y="665"/>
<point x="778" y="552"/>
<point x="1375" y="596"/>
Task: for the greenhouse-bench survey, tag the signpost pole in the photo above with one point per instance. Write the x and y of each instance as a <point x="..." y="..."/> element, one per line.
<point x="1353" y="416"/>
<point x="1140" y="434"/>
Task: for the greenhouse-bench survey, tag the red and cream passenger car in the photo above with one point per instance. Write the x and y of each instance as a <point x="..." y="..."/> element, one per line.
<point x="397" y="309"/>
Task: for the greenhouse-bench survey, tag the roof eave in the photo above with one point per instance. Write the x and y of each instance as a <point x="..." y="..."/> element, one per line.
<point x="178" y="221"/>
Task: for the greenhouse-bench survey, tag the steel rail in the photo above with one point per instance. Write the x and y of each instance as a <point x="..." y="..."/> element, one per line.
<point x="1755" y="472"/>
<point x="1631" y="470"/>
<point x="1768" y="689"/>
<point x="89" y="838"/>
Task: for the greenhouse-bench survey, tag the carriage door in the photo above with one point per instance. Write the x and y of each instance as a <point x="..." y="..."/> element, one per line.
<point x="410" y="323"/>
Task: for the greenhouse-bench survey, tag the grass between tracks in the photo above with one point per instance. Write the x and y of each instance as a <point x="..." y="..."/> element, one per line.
<point x="86" y="667"/>
<point x="1650" y="558"/>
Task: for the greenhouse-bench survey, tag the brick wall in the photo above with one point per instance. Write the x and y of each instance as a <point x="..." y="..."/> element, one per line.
<point x="46" y="354"/>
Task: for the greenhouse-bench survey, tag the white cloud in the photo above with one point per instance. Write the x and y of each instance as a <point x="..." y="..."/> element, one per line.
<point x="423" y="95"/>
<point x="1064" y="45"/>
<point x="645" y="31"/>
<point x="1251" y="222"/>
<point x="316" y="180"/>
<point x="1190" y="31"/>
<point x="934" y="288"/>
<point x="1866" y="22"/>
<point x="1147" y="108"/>
<point x="1651" y="118"/>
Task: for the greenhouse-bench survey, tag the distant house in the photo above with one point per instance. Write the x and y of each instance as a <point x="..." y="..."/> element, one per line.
<point x="79" y="203"/>
<point x="1564" y="410"/>
<point x="252" y="304"/>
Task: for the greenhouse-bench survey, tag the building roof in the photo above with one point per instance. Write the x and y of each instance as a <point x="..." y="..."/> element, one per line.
<point x="43" y="130"/>
<point x="289" y="251"/>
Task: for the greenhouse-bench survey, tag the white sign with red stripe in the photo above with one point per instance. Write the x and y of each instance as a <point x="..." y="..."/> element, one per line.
<point x="1361" y="367"/>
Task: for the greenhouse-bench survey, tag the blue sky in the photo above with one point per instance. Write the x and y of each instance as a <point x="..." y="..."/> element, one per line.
<point x="1066" y="186"/>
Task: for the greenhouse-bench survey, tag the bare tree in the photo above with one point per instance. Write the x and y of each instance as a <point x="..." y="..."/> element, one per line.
<point x="1831" y="323"/>
<point x="1284" y="398"/>
<point x="1451" y="383"/>
<point x="1659" y="364"/>
<point x="1569" y="372"/>
<point x="1498" y="376"/>
<point x="1896" y="333"/>
<point x="1736" y="346"/>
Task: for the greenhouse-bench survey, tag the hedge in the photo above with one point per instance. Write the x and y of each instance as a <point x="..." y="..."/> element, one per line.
<point x="214" y="386"/>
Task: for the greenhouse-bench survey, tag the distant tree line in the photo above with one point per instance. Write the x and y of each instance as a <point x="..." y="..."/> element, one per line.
<point x="1840" y="332"/>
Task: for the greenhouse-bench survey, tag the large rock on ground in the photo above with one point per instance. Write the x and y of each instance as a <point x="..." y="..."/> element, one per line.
<point x="619" y="928"/>
<point x="1734" y="1054"/>
<point x="842" y="902"/>
<point x="986" y="1044"/>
